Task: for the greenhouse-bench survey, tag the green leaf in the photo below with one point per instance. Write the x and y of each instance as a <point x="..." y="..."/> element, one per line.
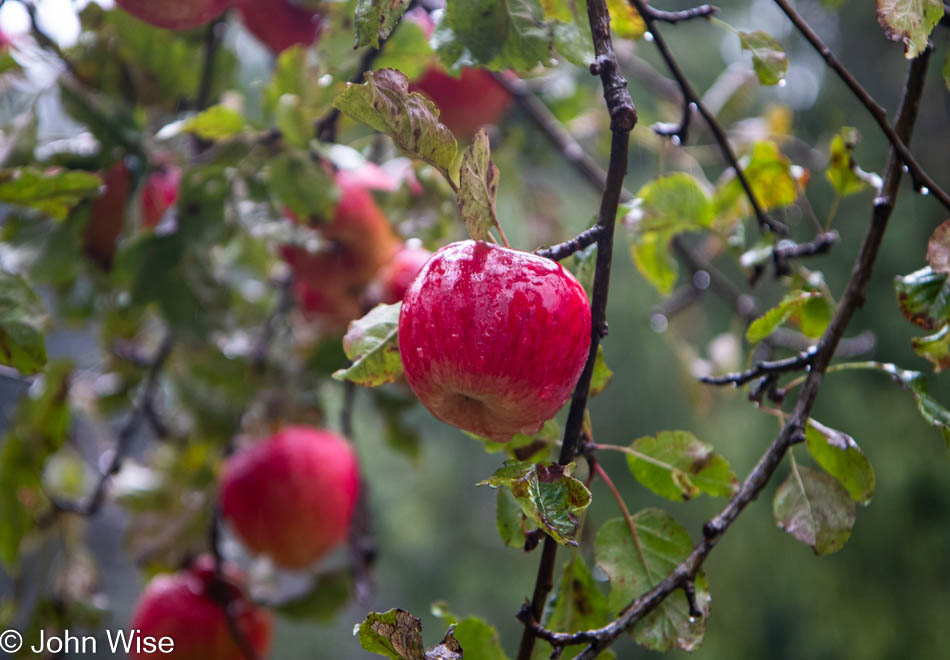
<point x="38" y="431"/>
<point x="216" y="123"/>
<point x="478" y="639"/>
<point x="814" y="317"/>
<point x="547" y="493"/>
<point x="373" y="345"/>
<point x="636" y="564"/>
<point x="395" y="634"/>
<point x="938" y="248"/>
<point x="766" y="324"/>
<point x="295" y="73"/>
<point x="678" y="466"/>
<point x="53" y="194"/>
<point x="924" y="298"/>
<point x="328" y="595"/>
<point x="509" y="35"/>
<point x="510" y="519"/>
<point x="930" y="409"/>
<point x="576" y="604"/>
<point x="910" y="21"/>
<point x="843" y="172"/>
<point x="769" y="173"/>
<point x="676" y="203"/>
<point x="814" y="508"/>
<point x="842" y="458"/>
<point x="653" y="258"/>
<point x="385" y="104"/>
<point x="22" y="343"/>
<point x="625" y="21"/>
<point x="935" y="348"/>
<point x="663" y="208"/>
<point x="602" y="374"/>
<point x="302" y="185"/>
<point x="478" y="185"/>
<point x="768" y="57"/>
<point x="292" y="121"/>
<point x="376" y="19"/>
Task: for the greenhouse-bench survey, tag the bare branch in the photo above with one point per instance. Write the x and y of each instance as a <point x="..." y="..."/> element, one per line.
<point x="702" y="11"/>
<point x="567" y="248"/>
<point x="794" y="363"/>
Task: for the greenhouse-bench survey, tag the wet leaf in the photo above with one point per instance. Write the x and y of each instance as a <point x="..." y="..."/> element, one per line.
<point x="602" y="374"/>
<point x="385" y="104"/>
<point x="22" y="342"/>
<point x="676" y="465"/>
<point x="935" y="348"/>
<point x="547" y="493"/>
<point x="637" y="564"/>
<point x="376" y="19"/>
<point x="842" y="458"/>
<point x="909" y="21"/>
<point x="814" y="508"/>
<point x="924" y="298"/>
<point x="766" y="324"/>
<point x="51" y="193"/>
<point x="395" y="634"/>
<point x="372" y="343"/>
<point x="768" y="57"/>
<point x="478" y="185"/>
<point x="843" y="172"/>
<point x="216" y="123"/>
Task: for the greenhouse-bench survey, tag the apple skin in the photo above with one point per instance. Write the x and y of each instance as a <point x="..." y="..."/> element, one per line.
<point x="278" y="24"/>
<point x="159" y="194"/>
<point x="329" y="284"/>
<point x="493" y="340"/>
<point x="292" y="496"/>
<point x="175" y="14"/>
<point x="466" y="103"/>
<point x="107" y="215"/>
<point x="183" y="606"/>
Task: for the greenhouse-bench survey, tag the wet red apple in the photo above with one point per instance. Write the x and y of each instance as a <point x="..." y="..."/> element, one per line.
<point x="493" y="340"/>
<point x="280" y="24"/>
<point x="175" y="14"/>
<point x="188" y="607"/>
<point x="292" y="496"/>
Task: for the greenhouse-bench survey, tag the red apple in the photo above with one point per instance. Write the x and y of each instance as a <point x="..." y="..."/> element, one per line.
<point x="394" y="279"/>
<point x="292" y="496"/>
<point x="493" y="340"/>
<point x="466" y="103"/>
<point x="159" y="194"/>
<point x="107" y="215"/>
<point x="175" y="14"/>
<point x="280" y="24"/>
<point x="188" y="607"/>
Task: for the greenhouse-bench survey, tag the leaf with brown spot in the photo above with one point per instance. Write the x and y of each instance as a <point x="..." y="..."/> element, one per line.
<point x="938" y="248"/>
<point x="478" y="185"/>
<point x="910" y="21"/>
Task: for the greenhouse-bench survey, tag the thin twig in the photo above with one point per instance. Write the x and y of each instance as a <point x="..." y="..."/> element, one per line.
<point x="921" y="179"/>
<point x="702" y="11"/>
<point x="623" y="117"/>
<point x="691" y="97"/>
<point x="125" y="434"/>
<point x="576" y="244"/>
<point x="794" y="363"/>
<point x="213" y="34"/>
<point x="220" y="591"/>
<point x="785" y="251"/>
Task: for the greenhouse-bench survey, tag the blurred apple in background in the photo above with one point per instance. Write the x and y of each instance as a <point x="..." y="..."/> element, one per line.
<point x="280" y="24"/>
<point x="189" y="607"/>
<point x="159" y="193"/>
<point x="292" y="496"/>
<point x="493" y="340"/>
<point x="107" y="215"/>
<point x="393" y="280"/>
<point x="175" y="14"/>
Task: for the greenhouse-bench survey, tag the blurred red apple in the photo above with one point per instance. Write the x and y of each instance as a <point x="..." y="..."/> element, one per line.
<point x="394" y="279"/>
<point x="175" y="14"/>
<point x="107" y="216"/>
<point x="280" y="24"/>
<point x="466" y="103"/>
<point x="493" y="340"/>
<point x="159" y="194"/>
<point x="329" y="283"/>
<point x="291" y="496"/>
<point x="188" y="607"/>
